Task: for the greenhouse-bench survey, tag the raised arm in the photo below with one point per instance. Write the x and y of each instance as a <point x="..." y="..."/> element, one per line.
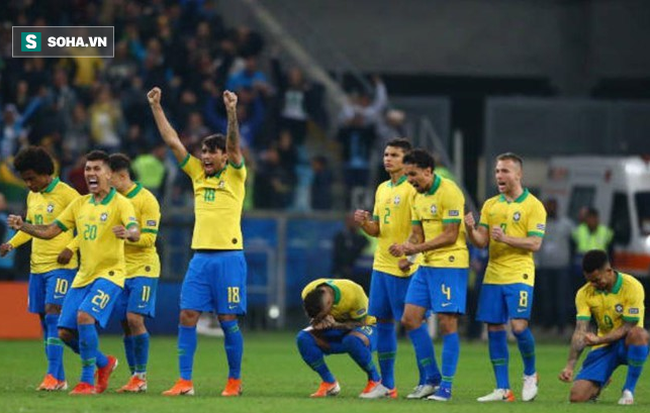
<point x="366" y="223"/>
<point x="577" y="346"/>
<point x="38" y="231"/>
<point x="232" y="136"/>
<point x="168" y="133"/>
<point x="478" y="236"/>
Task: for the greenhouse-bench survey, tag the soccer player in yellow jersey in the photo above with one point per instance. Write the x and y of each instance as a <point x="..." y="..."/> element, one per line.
<point x="339" y="323"/>
<point x="512" y="224"/>
<point x="50" y="277"/>
<point x="440" y="283"/>
<point x="103" y="220"/>
<point x="616" y="302"/>
<point x="390" y="222"/>
<point x="216" y="277"/>
<point x="138" y="299"/>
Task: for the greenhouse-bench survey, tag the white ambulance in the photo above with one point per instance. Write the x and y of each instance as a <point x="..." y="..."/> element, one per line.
<point x="619" y="187"/>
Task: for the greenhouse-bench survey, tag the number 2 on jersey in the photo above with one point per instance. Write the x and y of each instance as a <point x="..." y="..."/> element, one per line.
<point x="386" y="215"/>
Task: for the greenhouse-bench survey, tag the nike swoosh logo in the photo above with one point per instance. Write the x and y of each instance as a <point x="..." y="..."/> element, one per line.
<point x="95" y="310"/>
<point x="56" y="297"/>
<point x="446" y="304"/>
<point x="185" y="391"/>
<point x="142" y="306"/>
<point x="232" y="307"/>
<point x="521" y="310"/>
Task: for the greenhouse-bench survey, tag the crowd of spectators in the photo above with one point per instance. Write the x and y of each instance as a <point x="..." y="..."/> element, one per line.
<point x="186" y="48"/>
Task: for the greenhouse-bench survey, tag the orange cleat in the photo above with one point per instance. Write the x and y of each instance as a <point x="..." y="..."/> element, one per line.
<point x="233" y="388"/>
<point x="103" y="374"/>
<point x="135" y="385"/>
<point x="327" y="389"/>
<point x="181" y="388"/>
<point x="370" y="386"/>
<point x="83" y="389"/>
<point x="50" y="383"/>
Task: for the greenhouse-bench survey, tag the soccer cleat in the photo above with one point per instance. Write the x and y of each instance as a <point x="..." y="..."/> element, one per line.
<point x="443" y="394"/>
<point x="498" y="395"/>
<point x="135" y="385"/>
<point x="83" y="389"/>
<point x="50" y="383"/>
<point x="104" y="373"/>
<point x="422" y="390"/>
<point x="327" y="389"/>
<point x="233" y="388"/>
<point x="376" y="390"/>
<point x="529" y="391"/>
<point x="181" y="388"/>
<point x="626" y="398"/>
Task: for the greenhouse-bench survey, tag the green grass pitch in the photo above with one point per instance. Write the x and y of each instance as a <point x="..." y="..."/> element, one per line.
<point x="276" y="380"/>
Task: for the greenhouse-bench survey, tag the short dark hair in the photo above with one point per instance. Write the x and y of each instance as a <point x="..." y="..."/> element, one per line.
<point x="34" y="158"/>
<point x="512" y="157"/>
<point x="420" y="158"/>
<point x="313" y="302"/>
<point x="214" y="142"/>
<point x="98" y="155"/>
<point x="119" y="162"/>
<point x="594" y="260"/>
<point x="592" y="212"/>
<point x="402" y="143"/>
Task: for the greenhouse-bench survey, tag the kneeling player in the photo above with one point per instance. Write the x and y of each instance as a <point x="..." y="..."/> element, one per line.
<point x="338" y="312"/>
<point x="615" y="301"/>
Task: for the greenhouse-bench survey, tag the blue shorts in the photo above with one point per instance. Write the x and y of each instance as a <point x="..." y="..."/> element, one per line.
<point x="139" y="297"/>
<point x="499" y="302"/>
<point x="215" y="281"/>
<point x="443" y="290"/>
<point x="387" y="294"/>
<point x="601" y="362"/>
<point x="48" y="288"/>
<point x="334" y="337"/>
<point x="97" y="299"/>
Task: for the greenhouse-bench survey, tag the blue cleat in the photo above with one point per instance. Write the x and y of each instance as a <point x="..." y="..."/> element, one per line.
<point x="443" y="394"/>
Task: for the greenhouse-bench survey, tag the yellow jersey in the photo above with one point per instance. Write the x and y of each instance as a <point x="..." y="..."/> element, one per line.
<point x="141" y="257"/>
<point x="523" y="217"/>
<point x="218" y="203"/>
<point x="102" y="253"/>
<point x="42" y="208"/>
<point x="611" y="309"/>
<point x="392" y="212"/>
<point x="443" y="203"/>
<point x="350" y="301"/>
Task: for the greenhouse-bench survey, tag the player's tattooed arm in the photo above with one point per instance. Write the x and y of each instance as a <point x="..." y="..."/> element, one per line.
<point x="577" y="346"/>
<point x="233" y="138"/>
<point x="592" y="339"/>
<point x="366" y="223"/>
<point x="39" y="231"/>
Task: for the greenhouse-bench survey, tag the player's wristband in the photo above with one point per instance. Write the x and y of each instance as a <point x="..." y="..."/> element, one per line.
<point x="412" y="258"/>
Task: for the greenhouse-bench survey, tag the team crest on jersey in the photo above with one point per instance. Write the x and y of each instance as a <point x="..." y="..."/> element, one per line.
<point x="618" y="308"/>
<point x="434" y="209"/>
<point x="517" y="216"/>
<point x="222" y="184"/>
<point x="103" y="217"/>
<point x="397" y="200"/>
<point x="50" y="208"/>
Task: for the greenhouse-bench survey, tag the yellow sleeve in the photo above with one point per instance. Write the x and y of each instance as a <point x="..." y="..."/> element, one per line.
<point x="453" y="207"/>
<point x="66" y="220"/>
<point x="633" y="305"/>
<point x="415" y="216"/>
<point x="483" y="220"/>
<point x="127" y="214"/>
<point x="73" y="245"/>
<point x="583" y="310"/>
<point x="240" y="170"/>
<point x="19" y="239"/>
<point x="191" y="166"/>
<point x="360" y="308"/>
<point x="149" y="223"/>
<point x="537" y="221"/>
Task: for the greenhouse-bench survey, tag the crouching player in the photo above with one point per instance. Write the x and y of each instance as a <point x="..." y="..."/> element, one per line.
<point x="339" y="323"/>
<point x="615" y="301"/>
